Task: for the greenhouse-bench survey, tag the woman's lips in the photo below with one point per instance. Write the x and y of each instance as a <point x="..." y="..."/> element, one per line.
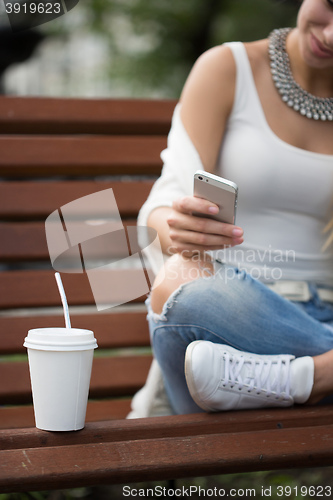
<point x="319" y="50"/>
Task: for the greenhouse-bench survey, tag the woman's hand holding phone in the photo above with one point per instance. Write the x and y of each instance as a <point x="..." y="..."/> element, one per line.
<point x="196" y="233"/>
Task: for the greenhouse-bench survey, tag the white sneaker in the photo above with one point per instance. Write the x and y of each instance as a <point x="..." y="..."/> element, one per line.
<point x="151" y="400"/>
<point x="222" y="378"/>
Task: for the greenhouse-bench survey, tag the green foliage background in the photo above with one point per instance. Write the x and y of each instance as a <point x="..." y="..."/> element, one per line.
<point x="153" y="43"/>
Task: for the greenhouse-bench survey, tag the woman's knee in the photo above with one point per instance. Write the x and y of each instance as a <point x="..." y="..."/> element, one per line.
<point x="177" y="271"/>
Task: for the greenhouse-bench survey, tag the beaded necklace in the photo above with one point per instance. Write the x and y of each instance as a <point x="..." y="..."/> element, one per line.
<point x="316" y="108"/>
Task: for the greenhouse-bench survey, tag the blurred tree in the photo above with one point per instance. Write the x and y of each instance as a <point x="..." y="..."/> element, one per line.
<point x="16" y="48"/>
<point x="153" y="44"/>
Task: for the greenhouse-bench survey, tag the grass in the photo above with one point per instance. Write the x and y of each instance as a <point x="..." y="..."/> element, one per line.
<point x="305" y="484"/>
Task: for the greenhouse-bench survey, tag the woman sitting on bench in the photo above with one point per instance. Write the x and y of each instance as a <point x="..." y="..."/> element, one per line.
<point x="252" y="319"/>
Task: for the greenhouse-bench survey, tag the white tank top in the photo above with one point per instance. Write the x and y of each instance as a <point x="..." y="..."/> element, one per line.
<point x="285" y="193"/>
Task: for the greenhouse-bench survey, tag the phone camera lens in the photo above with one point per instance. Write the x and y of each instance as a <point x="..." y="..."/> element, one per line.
<point x="200" y="178"/>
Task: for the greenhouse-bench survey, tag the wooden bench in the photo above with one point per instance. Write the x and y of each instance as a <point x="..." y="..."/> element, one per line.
<point x="54" y="151"/>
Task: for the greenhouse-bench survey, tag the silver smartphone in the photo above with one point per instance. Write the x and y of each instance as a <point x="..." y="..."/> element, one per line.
<point x="218" y="190"/>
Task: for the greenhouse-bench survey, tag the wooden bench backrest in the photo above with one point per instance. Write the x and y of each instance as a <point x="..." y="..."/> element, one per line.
<point x="54" y="151"/>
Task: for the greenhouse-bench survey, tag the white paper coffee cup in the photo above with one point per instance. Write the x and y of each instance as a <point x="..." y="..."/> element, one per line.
<point x="60" y="362"/>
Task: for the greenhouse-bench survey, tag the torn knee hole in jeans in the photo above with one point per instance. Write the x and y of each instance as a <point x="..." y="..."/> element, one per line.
<point x="205" y="273"/>
<point x="172" y="299"/>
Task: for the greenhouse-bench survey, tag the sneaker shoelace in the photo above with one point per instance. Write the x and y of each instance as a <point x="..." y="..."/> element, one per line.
<point x="268" y="375"/>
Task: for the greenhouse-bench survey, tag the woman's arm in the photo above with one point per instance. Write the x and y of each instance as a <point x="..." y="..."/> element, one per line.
<point x="206" y="103"/>
<point x="207" y="100"/>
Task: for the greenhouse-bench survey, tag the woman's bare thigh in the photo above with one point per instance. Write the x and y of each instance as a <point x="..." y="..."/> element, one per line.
<point x="177" y="271"/>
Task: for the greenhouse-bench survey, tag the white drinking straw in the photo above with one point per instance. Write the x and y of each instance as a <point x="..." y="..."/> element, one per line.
<point x="63" y="300"/>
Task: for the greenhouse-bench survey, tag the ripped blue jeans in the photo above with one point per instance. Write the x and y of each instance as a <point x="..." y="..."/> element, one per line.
<point x="241" y="312"/>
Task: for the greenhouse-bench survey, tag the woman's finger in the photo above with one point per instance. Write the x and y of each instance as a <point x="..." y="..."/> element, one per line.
<point x="184" y="221"/>
<point x="189" y="204"/>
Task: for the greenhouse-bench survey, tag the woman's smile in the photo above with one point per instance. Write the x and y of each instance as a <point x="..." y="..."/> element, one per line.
<point x="319" y="49"/>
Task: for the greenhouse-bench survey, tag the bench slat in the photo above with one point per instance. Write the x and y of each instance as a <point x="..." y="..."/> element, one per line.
<point x="174" y="426"/>
<point x="17" y="417"/>
<point x="23" y="242"/>
<point x="144" y="459"/>
<point x="26" y="242"/>
<point x="37" y="288"/>
<point x="36" y="200"/>
<point x="113" y="330"/>
<point x="111" y="376"/>
<point x="79" y="156"/>
<point x="84" y="116"/>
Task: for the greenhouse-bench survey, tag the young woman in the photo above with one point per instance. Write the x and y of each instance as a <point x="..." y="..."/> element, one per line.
<point x="249" y="308"/>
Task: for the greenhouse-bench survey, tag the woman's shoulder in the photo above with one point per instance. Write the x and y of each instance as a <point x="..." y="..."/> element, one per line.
<point x="257" y="53"/>
<point x="206" y="101"/>
<point x="212" y="77"/>
<point x="219" y="61"/>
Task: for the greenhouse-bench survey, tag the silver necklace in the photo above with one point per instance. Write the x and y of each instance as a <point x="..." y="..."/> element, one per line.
<point x="292" y="94"/>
